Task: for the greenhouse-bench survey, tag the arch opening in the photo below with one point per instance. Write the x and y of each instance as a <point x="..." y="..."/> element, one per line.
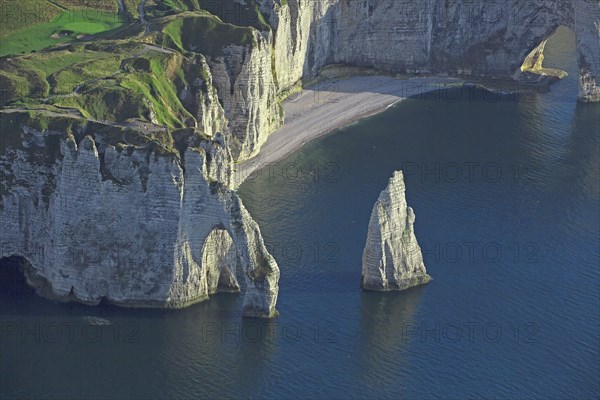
<point x="545" y="63"/>
<point x="220" y="262"/>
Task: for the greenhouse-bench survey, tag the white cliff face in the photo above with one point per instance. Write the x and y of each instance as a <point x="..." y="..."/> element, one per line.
<point x="203" y="100"/>
<point x="303" y="37"/>
<point x="244" y="81"/>
<point x="139" y="226"/>
<point x="479" y="39"/>
<point x="132" y="226"/>
<point x="455" y="37"/>
<point x="392" y="258"/>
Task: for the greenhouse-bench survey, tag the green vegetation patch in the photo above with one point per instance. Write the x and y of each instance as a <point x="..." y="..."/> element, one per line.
<point x="244" y="14"/>
<point x="67" y="80"/>
<point x="39" y="75"/>
<point x="107" y="102"/>
<point x="13" y="86"/>
<point x="104" y="81"/>
<point x="19" y="14"/>
<point x="68" y="27"/>
<point x="205" y="34"/>
<point x="104" y="5"/>
<point x="160" y="8"/>
<point x="132" y="8"/>
<point x="157" y="86"/>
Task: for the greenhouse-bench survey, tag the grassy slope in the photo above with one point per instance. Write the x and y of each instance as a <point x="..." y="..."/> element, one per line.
<point x="115" y="82"/>
<point x="204" y="33"/>
<point x="144" y="87"/>
<point x="118" y="81"/>
<point x="39" y="36"/>
<point x="157" y="86"/>
<point x="228" y="11"/>
<point x="104" y="5"/>
<point x="19" y="14"/>
<point x="131" y="6"/>
<point x="34" y="74"/>
<point x="16" y="15"/>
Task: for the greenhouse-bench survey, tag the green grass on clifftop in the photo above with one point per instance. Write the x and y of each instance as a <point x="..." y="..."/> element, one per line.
<point x="204" y="33"/>
<point x="107" y="81"/>
<point x="119" y="79"/>
<point x="104" y="5"/>
<point x="131" y="6"/>
<point x="239" y="13"/>
<point x="39" y="75"/>
<point x="69" y="26"/>
<point x="16" y="15"/>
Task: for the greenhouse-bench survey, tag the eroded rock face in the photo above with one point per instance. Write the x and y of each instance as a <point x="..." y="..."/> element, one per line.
<point x="458" y="37"/>
<point x="245" y="85"/>
<point x="134" y="226"/>
<point x="392" y="258"/>
<point x="220" y="259"/>
<point x="463" y="38"/>
<point x="143" y="228"/>
<point x="587" y="32"/>
<point x="469" y="38"/>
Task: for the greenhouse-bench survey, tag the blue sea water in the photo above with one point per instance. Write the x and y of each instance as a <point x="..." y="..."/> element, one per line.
<point x="506" y="192"/>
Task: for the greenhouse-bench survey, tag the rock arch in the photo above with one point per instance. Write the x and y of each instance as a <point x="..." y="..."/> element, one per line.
<point x="219" y="246"/>
<point x="220" y="261"/>
<point x="149" y="247"/>
<point x="534" y="62"/>
<point x="471" y="38"/>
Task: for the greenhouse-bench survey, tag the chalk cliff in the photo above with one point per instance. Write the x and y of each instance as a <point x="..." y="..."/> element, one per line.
<point x="463" y="38"/>
<point x="457" y="37"/>
<point x="133" y="224"/>
<point x="134" y="202"/>
<point x="392" y="258"/>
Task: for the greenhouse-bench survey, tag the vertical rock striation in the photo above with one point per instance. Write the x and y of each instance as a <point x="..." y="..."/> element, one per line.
<point x="458" y="37"/>
<point x="463" y="38"/>
<point x="587" y="32"/>
<point x="135" y="225"/>
<point x="245" y="84"/>
<point x="97" y="217"/>
<point x="466" y="38"/>
<point x="392" y="258"/>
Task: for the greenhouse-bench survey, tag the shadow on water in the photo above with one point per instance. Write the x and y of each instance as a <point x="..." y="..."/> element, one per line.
<point x="18" y="298"/>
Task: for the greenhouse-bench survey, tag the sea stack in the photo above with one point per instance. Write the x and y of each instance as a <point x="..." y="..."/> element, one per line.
<point x="392" y="258"/>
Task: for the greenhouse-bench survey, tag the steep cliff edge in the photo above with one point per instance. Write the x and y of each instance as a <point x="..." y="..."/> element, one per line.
<point x="249" y="53"/>
<point x="470" y="38"/>
<point x="392" y="258"/>
<point x="239" y="61"/>
<point x="100" y="212"/>
<point x="116" y="155"/>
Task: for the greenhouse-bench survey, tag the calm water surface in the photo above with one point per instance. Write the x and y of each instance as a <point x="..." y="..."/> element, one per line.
<point x="506" y="195"/>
